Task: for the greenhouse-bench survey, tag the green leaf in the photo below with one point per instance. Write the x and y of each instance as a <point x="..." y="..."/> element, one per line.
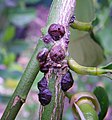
<point x="103" y="3"/>
<point x="85" y="51"/>
<point x="106" y="38"/>
<point x="95" y="21"/>
<point x="96" y="39"/>
<point x="108" y="66"/>
<point x="9" y="58"/>
<point x="103" y="100"/>
<point x="85" y="10"/>
<point x="82" y="47"/>
<point x="8" y="33"/>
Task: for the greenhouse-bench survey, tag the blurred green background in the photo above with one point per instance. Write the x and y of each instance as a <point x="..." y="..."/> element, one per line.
<point x="20" y="27"/>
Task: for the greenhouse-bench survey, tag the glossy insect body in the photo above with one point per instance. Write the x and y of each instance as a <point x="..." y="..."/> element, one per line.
<point x="47" y="39"/>
<point x="42" y="84"/>
<point x="42" y="55"/>
<point x="67" y="81"/>
<point x="57" y="53"/>
<point x="45" y="94"/>
<point x="56" y="31"/>
<point x="45" y="97"/>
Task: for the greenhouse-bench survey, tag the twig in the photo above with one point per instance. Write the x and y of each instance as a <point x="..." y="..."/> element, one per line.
<point x="22" y="90"/>
<point x="61" y="12"/>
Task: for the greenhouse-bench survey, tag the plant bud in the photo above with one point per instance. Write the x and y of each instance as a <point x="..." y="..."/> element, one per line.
<point x="56" y="31"/>
<point x="45" y="97"/>
<point x="47" y="39"/>
<point x="57" y="53"/>
<point x="67" y="81"/>
<point x="42" y="55"/>
<point x="42" y="84"/>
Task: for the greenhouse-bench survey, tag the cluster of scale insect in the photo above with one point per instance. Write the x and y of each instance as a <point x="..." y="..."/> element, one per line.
<point x="56" y="54"/>
<point x="45" y="94"/>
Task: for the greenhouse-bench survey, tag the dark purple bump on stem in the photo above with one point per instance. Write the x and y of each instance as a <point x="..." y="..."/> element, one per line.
<point x="44" y="67"/>
<point x="56" y="31"/>
<point x="66" y="43"/>
<point x="42" y="55"/>
<point x="45" y="97"/>
<point x="72" y="19"/>
<point x="47" y="39"/>
<point x="42" y="84"/>
<point x="67" y="81"/>
<point x="57" y="53"/>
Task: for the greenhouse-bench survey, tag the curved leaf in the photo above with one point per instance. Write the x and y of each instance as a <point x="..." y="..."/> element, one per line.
<point x="103" y="100"/>
<point x="108" y="66"/>
<point x="9" y="33"/>
<point x="85" y="51"/>
<point x="82" y="47"/>
<point x="85" y="10"/>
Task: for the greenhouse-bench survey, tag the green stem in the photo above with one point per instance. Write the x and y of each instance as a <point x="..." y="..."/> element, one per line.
<point x="81" y="26"/>
<point x="54" y="110"/>
<point x="68" y="95"/>
<point x="83" y="107"/>
<point x="22" y="90"/>
<point x="88" y="112"/>
<point x="86" y="70"/>
<point x="61" y="11"/>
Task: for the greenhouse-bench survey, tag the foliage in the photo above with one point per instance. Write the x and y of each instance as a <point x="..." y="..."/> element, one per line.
<point x="103" y="28"/>
<point x="86" y="50"/>
<point x="15" y="17"/>
<point x="103" y="100"/>
<point x="82" y="51"/>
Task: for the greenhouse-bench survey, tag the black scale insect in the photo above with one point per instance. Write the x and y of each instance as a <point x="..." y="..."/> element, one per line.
<point x="47" y="39"/>
<point x="56" y="31"/>
<point x="42" y="57"/>
<point x="45" y="94"/>
<point x="67" y="81"/>
<point x="57" y="54"/>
